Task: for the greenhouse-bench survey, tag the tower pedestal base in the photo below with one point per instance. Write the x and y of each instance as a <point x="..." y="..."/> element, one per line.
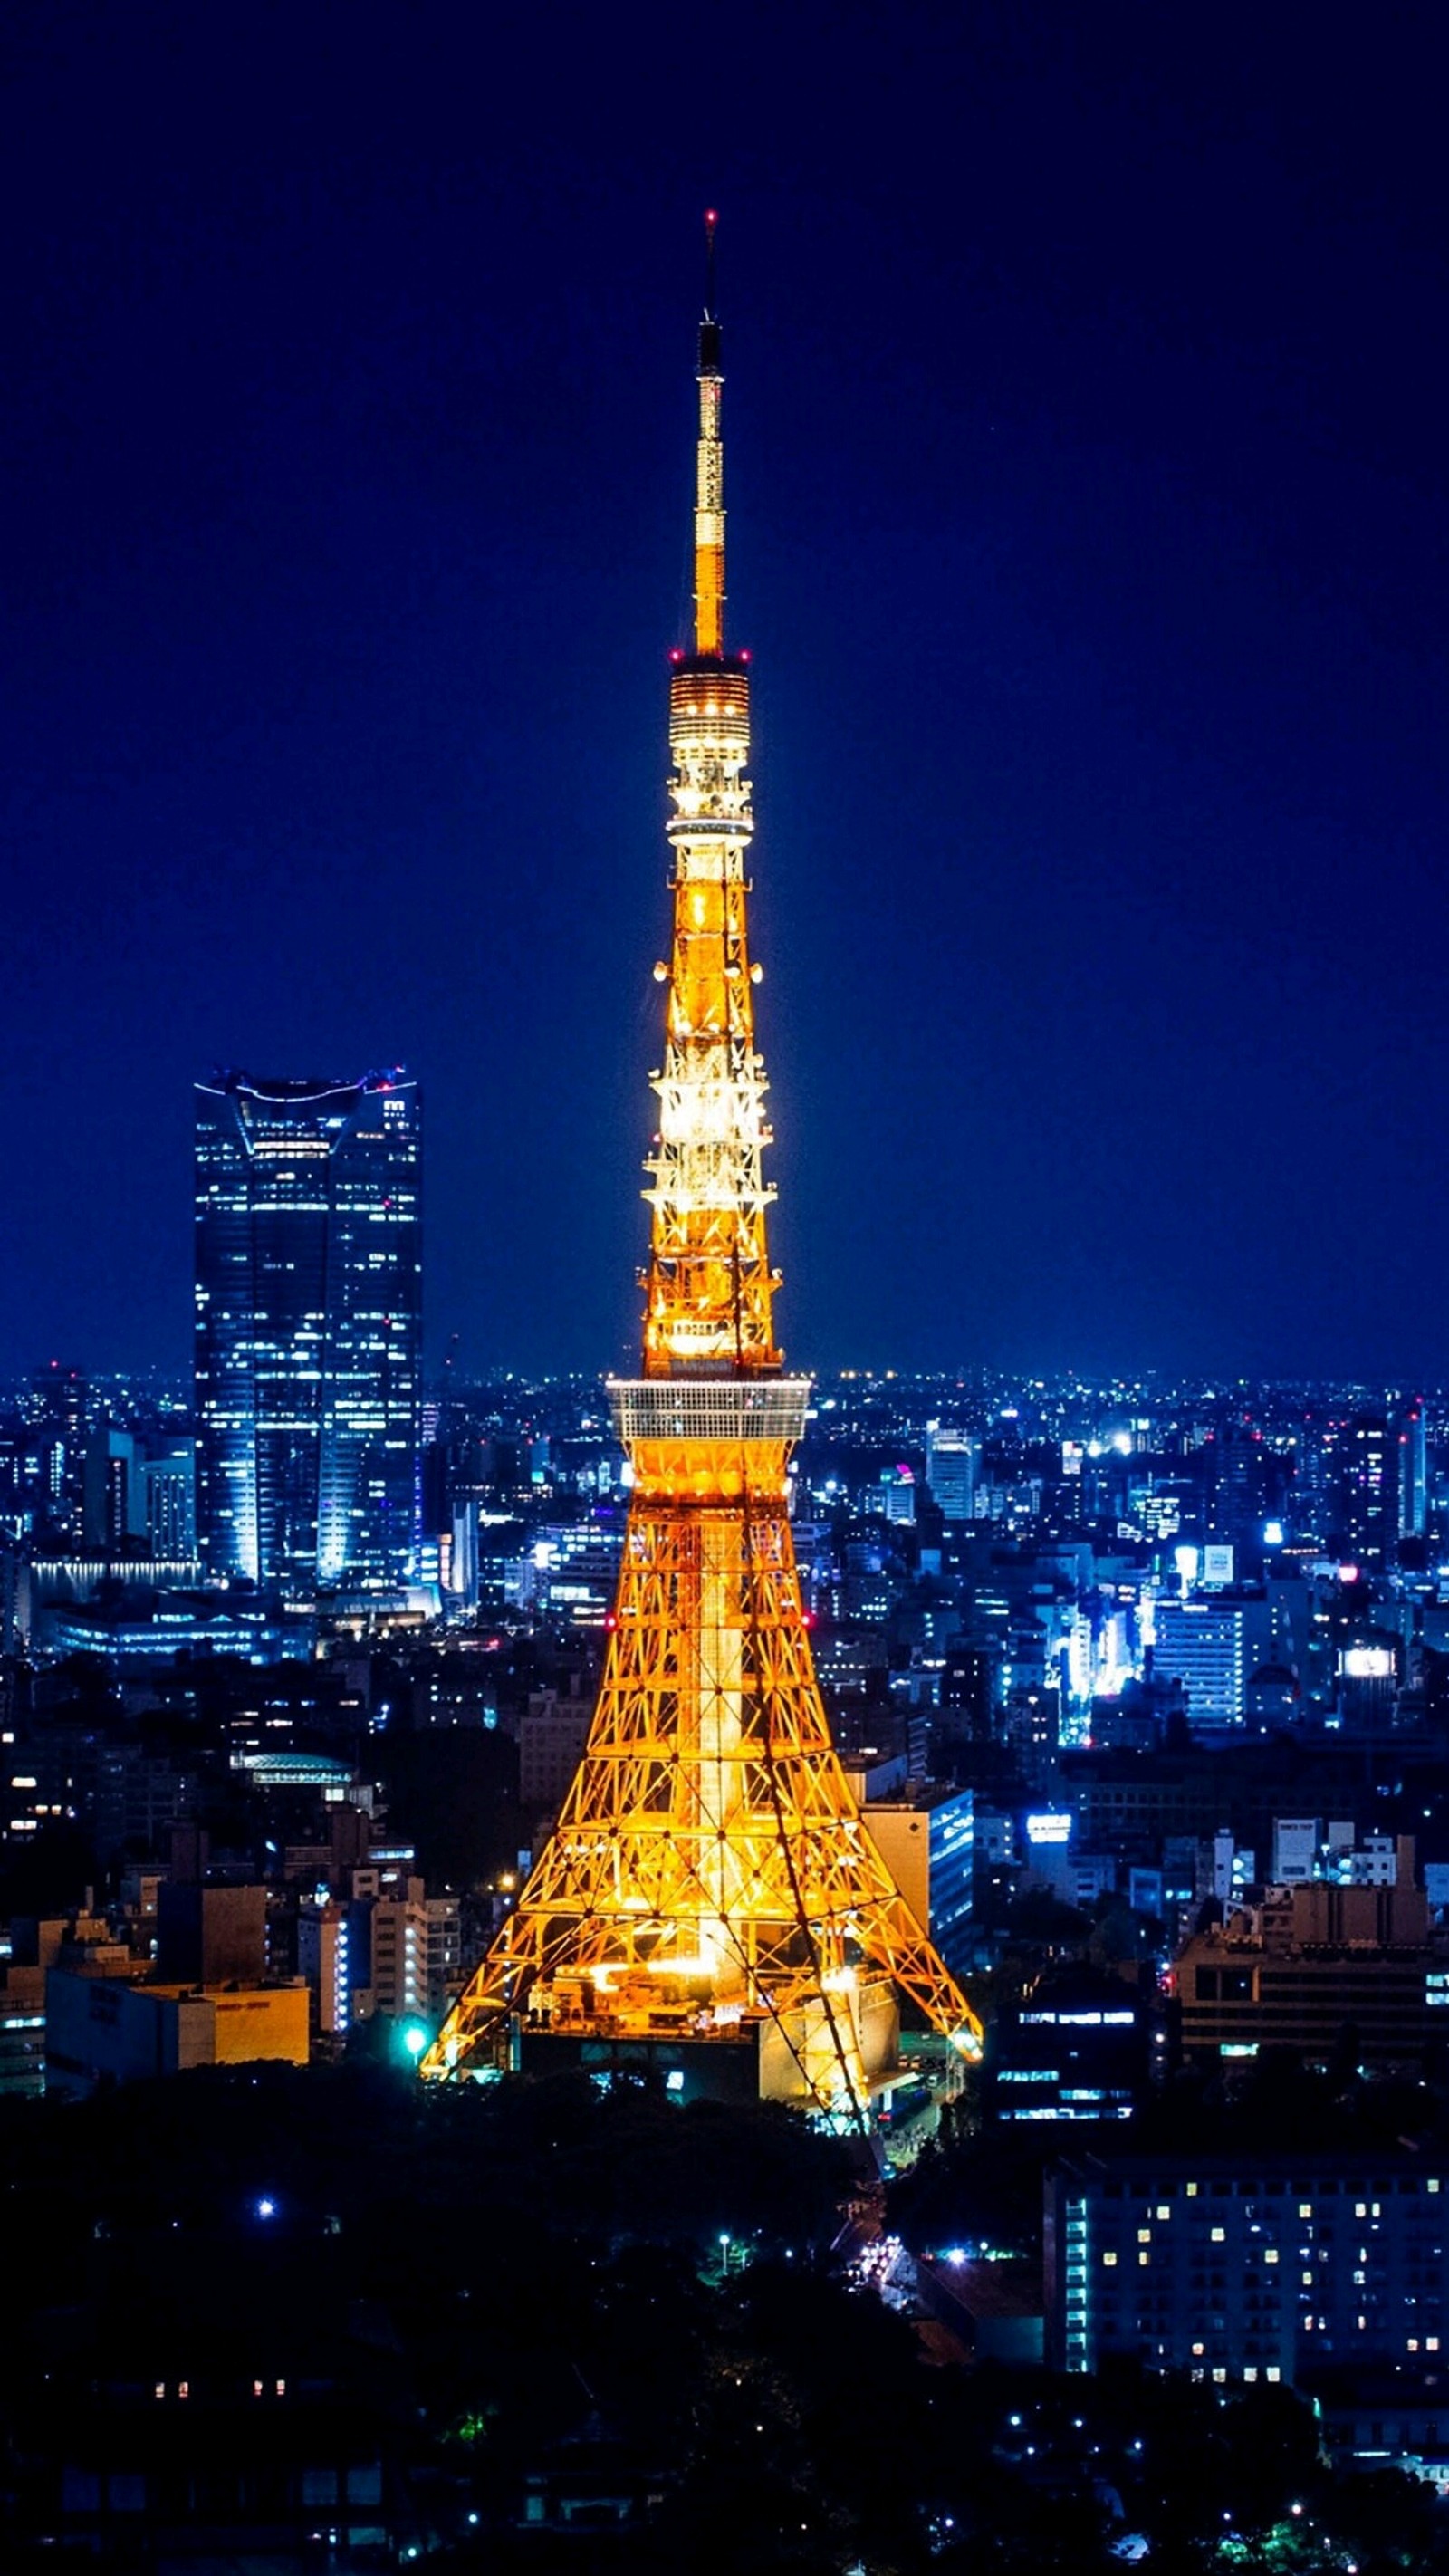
<point x="756" y="2059"/>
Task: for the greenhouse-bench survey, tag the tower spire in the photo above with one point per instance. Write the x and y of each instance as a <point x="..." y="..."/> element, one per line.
<point x="710" y="1888"/>
<point x="709" y="589"/>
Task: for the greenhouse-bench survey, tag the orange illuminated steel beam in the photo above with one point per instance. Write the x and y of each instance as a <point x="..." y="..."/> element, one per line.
<point x="710" y="1881"/>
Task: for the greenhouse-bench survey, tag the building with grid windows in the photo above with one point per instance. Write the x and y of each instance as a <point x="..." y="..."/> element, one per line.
<point x="308" y="1330"/>
<point x="1238" y="2269"/>
<point x="1201" y="1644"/>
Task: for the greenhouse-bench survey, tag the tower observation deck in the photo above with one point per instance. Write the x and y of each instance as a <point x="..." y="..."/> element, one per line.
<point x="710" y="1903"/>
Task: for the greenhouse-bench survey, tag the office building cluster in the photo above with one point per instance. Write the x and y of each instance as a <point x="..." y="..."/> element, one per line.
<point x="1102" y="1645"/>
<point x="311" y="1928"/>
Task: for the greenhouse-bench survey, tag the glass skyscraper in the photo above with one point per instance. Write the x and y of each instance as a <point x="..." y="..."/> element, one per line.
<point x="308" y="1329"/>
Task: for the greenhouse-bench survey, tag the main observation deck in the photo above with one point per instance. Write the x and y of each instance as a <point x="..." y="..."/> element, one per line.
<point x="704" y="1408"/>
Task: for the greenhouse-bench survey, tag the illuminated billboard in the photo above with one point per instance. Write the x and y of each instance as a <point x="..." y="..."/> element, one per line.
<point x="1367" y="1663"/>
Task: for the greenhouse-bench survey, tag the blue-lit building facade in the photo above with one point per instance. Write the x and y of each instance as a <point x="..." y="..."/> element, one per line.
<point x="926" y="1837"/>
<point x="308" y="1330"/>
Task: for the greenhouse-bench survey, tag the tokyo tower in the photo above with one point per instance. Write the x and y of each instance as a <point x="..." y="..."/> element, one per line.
<point x="710" y="1904"/>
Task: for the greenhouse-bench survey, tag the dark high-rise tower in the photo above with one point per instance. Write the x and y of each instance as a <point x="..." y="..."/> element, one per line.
<point x="1366" y="1501"/>
<point x="308" y="1329"/>
<point x="1412" y="1430"/>
<point x="57" y="1409"/>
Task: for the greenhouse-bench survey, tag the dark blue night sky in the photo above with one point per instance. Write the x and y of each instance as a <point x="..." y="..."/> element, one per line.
<point x="1086" y="432"/>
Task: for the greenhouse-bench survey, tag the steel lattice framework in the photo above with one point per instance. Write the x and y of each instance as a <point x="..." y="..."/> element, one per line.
<point x="710" y="1878"/>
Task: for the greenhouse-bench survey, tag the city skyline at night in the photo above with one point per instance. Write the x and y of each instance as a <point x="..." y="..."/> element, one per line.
<point x="657" y="1911"/>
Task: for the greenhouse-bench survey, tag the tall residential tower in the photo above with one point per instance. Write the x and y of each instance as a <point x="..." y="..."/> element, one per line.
<point x="308" y="1330"/>
<point x="710" y="1902"/>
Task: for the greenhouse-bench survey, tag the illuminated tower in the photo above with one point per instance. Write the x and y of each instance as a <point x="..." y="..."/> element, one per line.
<point x="710" y="1900"/>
